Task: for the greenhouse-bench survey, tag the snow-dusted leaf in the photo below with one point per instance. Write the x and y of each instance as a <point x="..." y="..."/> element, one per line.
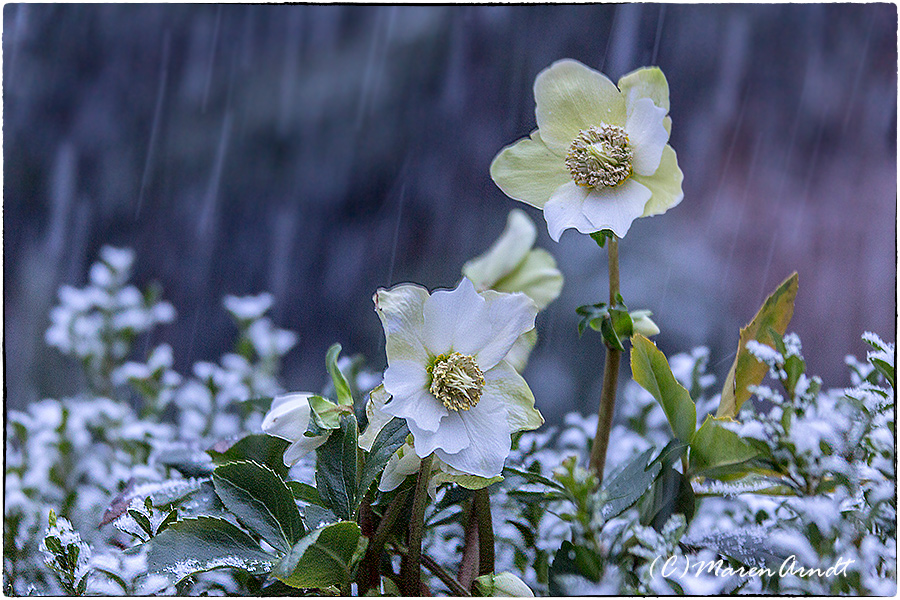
<point x="651" y="371"/>
<point x="749" y="545"/>
<point x="261" y="500"/>
<point x="202" y="544"/>
<point x="627" y="487"/>
<point x="672" y="494"/>
<point x="324" y="557"/>
<point x="775" y="313"/>
<point x="336" y="469"/>
<point x="391" y="437"/>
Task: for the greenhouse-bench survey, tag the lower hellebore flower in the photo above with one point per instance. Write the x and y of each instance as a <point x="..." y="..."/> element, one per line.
<point x="600" y="157"/>
<point x="447" y="374"/>
<point x="288" y="419"/>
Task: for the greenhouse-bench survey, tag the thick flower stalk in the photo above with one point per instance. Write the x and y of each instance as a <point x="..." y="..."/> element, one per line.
<point x="448" y="376"/>
<point x="599" y="158"/>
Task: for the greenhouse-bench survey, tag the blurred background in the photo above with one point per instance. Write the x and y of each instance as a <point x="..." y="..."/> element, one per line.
<point x="321" y="152"/>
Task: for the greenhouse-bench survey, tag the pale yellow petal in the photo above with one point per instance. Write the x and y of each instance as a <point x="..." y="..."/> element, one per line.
<point x="664" y="184"/>
<point x="571" y="97"/>
<point x="529" y="172"/>
<point x="646" y="82"/>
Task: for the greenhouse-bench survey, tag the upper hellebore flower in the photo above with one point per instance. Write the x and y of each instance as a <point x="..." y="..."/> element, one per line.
<point x="447" y="374"/>
<point x="599" y="158"/>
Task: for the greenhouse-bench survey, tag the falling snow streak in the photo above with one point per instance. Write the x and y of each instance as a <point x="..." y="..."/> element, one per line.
<point x="157" y="116"/>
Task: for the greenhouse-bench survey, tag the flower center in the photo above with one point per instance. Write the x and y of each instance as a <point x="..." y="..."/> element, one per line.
<point x="457" y="381"/>
<point x="600" y="156"/>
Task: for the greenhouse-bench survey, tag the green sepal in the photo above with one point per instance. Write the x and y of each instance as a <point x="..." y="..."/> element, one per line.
<point x="341" y="387"/>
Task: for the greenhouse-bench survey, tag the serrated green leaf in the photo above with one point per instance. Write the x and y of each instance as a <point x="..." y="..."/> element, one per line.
<point x="775" y="313"/>
<point x="260" y="448"/>
<point x="202" y="544"/>
<point x="717" y="451"/>
<point x="261" y="500"/>
<point x="305" y="493"/>
<point x="341" y="387"/>
<point x="324" y="557"/>
<point x="628" y="485"/>
<point x="651" y="371"/>
<point x="389" y="439"/>
<point x="336" y="469"/>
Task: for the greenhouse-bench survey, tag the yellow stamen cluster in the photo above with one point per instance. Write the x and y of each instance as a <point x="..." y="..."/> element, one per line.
<point x="457" y="381"/>
<point x="600" y="157"/>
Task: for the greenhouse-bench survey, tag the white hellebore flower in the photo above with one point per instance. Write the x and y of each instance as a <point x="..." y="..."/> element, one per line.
<point x="600" y="157"/>
<point x="288" y="419"/>
<point x="447" y="374"/>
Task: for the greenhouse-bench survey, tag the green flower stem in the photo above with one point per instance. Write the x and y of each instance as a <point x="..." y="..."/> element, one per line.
<point x="610" y="376"/>
<point x="410" y="568"/>
<point x="481" y="510"/>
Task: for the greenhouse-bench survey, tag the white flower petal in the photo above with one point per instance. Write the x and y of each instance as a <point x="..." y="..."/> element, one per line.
<point x="400" y="465"/>
<point x="420" y="408"/>
<point x="510" y="315"/>
<point x="404" y="378"/>
<point x="289" y="416"/>
<point x="450" y="436"/>
<point x="302" y="447"/>
<point x="563" y="210"/>
<point x="455" y="320"/>
<point x="646" y="135"/>
<point x="503" y="384"/>
<point x="400" y="311"/>
<point x="615" y="208"/>
<point x="486" y="426"/>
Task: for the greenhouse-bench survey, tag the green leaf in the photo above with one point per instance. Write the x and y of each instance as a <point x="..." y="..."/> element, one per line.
<point x="202" y="544"/>
<point x="306" y="493"/>
<point x="775" y="313"/>
<point x="325" y="557"/>
<point x="260" y="448"/>
<point x="651" y="371"/>
<point x="187" y="460"/>
<point x="392" y="436"/>
<point x="142" y="521"/>
<point x="341" y="387"/>
<point x="629" y="484"/>
<point x="609" y="333"/>
<point x="336" y="469"/>
<point x="672" y="493"/>
<point x="532" y="478"/>
<point x="170" y="518"/>
<point x="717" y="451"/>
<point x="261" y="500"/>
<point x="573" y="560"/>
